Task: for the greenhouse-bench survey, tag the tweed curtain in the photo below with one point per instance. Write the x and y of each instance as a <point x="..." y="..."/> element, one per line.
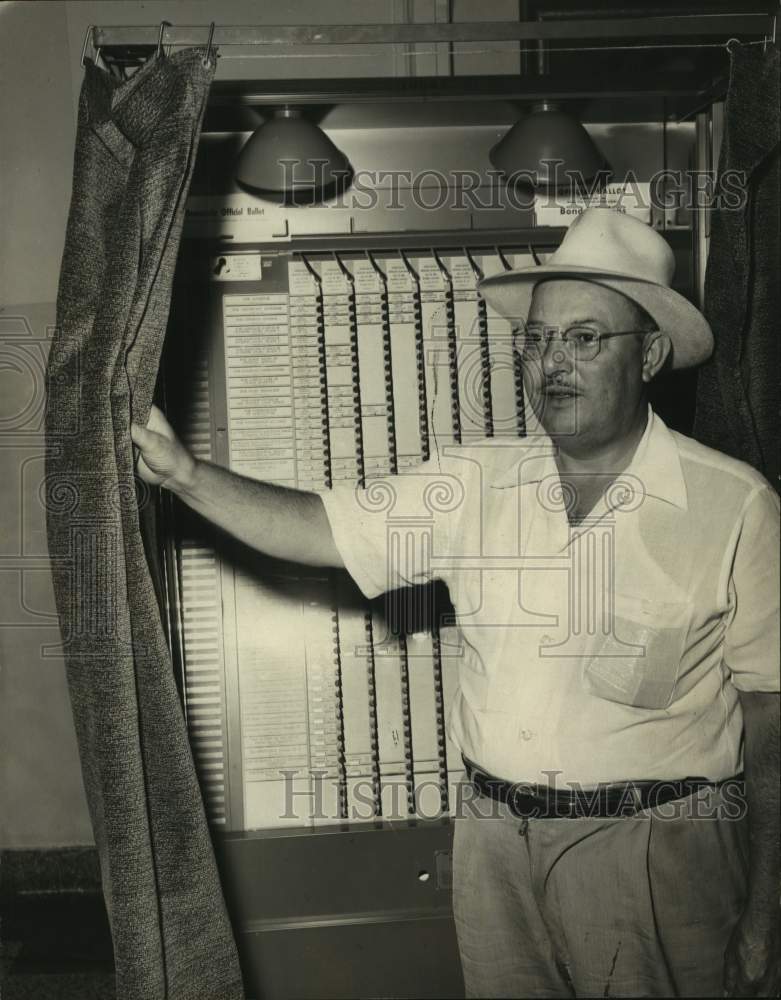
<point x="135" y="148"/>
<point x="738" y="389"/>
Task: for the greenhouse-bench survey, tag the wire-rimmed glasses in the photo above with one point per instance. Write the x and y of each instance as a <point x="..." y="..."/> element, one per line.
<point x="580" y="341"/>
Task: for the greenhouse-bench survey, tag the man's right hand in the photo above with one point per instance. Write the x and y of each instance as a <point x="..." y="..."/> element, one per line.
<point x="281" y="522"/>
<point x="162" y="460"/>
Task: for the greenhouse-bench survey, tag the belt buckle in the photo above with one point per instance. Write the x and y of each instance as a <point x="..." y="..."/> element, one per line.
<point x="518" y="793"/>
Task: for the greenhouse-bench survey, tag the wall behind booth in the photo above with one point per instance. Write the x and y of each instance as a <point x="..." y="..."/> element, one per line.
<point x="41" y="791"/>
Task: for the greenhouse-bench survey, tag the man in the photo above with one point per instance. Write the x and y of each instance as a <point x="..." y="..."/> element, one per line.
<point x="615" y="586"/>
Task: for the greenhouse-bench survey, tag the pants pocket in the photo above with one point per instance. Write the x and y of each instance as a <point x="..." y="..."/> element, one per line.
<point x="636" y="660"/>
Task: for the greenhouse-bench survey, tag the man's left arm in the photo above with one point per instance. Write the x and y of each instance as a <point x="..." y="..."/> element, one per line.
<point x="752" y="958"/>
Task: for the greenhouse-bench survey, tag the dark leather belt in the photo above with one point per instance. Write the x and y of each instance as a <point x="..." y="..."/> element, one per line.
<point x="625" y="798"/>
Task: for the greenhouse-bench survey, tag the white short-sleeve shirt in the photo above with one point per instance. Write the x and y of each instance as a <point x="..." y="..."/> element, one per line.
<point x="605" y="651"/>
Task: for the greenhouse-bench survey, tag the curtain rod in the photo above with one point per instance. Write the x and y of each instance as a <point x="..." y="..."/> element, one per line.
<point x="673" y="26"/>
<point x="486" y="52"/>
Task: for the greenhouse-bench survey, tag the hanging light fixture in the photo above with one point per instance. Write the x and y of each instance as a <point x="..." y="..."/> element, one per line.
<point x="293" y="159"/>
<point x="549" y="148"/>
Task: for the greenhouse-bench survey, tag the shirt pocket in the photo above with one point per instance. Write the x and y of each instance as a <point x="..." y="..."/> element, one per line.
<point x="638" y="661"/>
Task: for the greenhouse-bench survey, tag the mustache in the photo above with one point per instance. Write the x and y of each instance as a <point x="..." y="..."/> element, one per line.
<point x="557" y="384"/>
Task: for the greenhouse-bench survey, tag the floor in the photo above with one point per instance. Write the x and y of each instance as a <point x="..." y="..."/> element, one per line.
<point x="54" y="935"/>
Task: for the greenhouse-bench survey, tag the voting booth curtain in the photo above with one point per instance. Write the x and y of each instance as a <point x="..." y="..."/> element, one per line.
<point x="738" y="389"/>
<point x="135" y="148"/>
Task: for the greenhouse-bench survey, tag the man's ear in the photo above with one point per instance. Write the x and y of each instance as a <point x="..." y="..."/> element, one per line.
<point x="656" y="350"/>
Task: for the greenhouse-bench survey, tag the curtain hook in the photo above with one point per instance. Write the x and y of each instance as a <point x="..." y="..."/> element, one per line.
<point x="729" y="43"/>
<point x="772" y="38"/>
<point x="89" y="34"/>
<point x="163" y="26"/>
<point x="208" y="57"/>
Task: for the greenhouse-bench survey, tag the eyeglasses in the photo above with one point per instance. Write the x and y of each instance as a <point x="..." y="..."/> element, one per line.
<point x="581" y="343"/>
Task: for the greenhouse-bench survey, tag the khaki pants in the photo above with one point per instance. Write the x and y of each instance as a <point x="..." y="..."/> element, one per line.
<point x="639" y="906"/>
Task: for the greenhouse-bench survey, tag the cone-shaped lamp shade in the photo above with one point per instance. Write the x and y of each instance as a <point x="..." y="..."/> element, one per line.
<point x="548" y="134"/>
<point x="289" y="154"/>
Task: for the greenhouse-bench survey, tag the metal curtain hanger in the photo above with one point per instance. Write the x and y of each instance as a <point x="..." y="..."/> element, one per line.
<point x="89" y="37"/>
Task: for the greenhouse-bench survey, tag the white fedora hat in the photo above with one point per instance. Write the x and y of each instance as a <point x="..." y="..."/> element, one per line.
<point x="617" y="251"/>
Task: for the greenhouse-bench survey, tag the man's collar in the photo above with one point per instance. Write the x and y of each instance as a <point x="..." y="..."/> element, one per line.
<point x="656" y="462"/>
